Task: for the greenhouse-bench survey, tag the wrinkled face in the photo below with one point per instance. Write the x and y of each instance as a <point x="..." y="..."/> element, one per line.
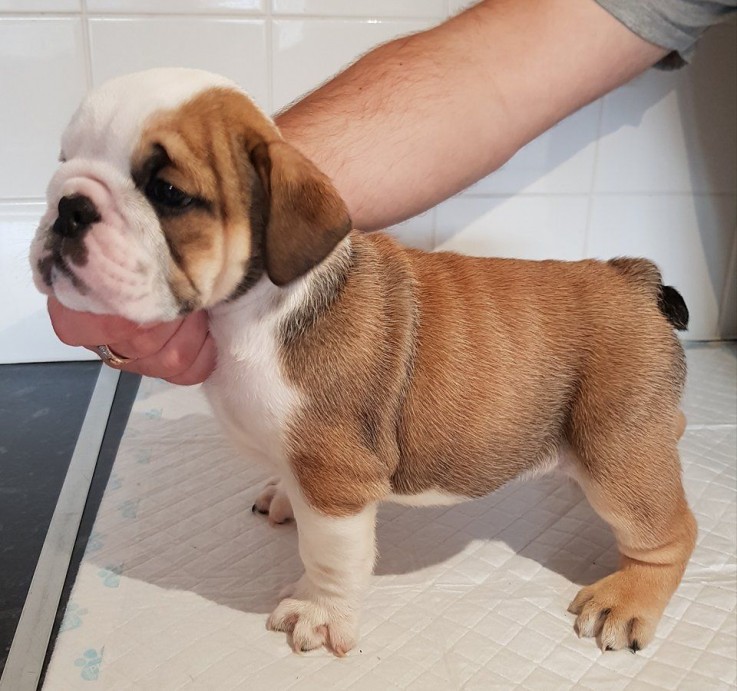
<point x="175" y="193"/>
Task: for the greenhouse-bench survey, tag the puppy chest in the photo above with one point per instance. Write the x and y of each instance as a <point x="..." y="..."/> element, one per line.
<point x="249" y="395"/>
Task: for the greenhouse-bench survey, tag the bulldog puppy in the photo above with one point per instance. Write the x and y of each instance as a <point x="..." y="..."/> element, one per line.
<point x="360" y="370"/>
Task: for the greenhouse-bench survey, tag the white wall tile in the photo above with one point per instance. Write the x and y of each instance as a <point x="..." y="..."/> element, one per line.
<point x="560" y="161"/>
<point x="43" y="79"/>
<point x="529" y="227"/>
<point x="27" y="6"/>
<point x="375" y="8"/>
<point x="234" y="48"/>
<point x="689" y="237"/>
<point x="306" y="52"/>
<point x="418" y="232"/>
<point x="25" y="330"/>
<point x="675" y="131"/>
<point x="176" y="6"/>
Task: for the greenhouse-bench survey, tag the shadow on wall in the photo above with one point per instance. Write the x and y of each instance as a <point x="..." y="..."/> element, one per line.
<point x="708" y="102"/>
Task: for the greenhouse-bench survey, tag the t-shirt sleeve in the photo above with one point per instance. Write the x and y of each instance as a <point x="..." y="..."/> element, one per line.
<point x="673" y="24"/>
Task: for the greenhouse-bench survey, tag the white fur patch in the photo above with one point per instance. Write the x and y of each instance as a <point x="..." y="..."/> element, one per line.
<point x="119" y="108"/>
<point x="431" y="497"/>
<point x="248" y="390"/>
<point x="338" y="555"/>
<point x="254" y="403"/>
<point x="250" y="396"/>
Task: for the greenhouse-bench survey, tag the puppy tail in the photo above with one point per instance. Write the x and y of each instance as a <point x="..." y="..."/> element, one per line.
<point x="647" y="275"/>
<point x="673" y="306"/>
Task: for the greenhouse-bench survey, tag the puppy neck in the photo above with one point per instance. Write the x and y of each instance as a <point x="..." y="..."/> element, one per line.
<point x="294" y="307"/>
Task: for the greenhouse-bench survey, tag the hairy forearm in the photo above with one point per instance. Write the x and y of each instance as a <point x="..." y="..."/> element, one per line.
<point x="420" y="118"/>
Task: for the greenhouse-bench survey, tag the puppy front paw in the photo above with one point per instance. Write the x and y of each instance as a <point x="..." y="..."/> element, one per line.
<point x="274" y="502"/>
<point x="311" y="620"/>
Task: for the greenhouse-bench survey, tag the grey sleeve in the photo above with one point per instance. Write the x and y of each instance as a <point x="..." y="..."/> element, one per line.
<point x="673" y="24"/>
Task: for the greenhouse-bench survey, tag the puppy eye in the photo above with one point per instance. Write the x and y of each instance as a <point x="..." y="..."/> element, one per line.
<point x="161" y="192"/>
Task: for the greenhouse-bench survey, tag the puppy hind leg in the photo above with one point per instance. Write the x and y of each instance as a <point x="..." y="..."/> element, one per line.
<point x="655" y="530"/>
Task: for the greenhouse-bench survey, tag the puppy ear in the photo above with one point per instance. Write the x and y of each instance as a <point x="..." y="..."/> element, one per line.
<point x="307" y="217"/>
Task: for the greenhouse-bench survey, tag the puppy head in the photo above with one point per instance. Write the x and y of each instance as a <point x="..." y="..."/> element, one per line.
<point x="174" y="193"/>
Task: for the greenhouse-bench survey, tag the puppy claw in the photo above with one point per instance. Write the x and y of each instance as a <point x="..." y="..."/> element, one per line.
<point x="578" y="602"/>
<point x="285" y="624"/>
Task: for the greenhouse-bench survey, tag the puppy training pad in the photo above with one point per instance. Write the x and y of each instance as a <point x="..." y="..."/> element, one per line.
<point x="179" y="576"/>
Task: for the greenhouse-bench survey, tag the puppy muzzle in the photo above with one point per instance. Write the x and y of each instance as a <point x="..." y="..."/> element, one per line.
<point x="96" y="248"/>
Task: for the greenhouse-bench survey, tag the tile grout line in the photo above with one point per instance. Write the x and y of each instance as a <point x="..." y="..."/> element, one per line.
<point x="226" y="16"/>
<point x="724" y="297"/>
<point x="592" y="182"/>
<point x="39" y="199"/>
<point x="268" y="14"/>
<point x="87" y="44"/>
<point x="714" y="426"/>
<point x="27" y="652"/>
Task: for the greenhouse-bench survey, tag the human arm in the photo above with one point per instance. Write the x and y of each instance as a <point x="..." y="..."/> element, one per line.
<point x="420" y="118"/>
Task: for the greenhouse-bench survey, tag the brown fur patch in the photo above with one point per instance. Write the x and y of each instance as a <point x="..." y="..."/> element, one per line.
<point x="307" y="218"/>
<point x="457" y="374"/>
<point x="202" y="148"/>
<point x="258" y="203"/>
<point x="349" y="350"/>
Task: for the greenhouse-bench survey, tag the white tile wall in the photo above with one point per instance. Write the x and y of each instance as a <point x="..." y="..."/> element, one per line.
<point x="176" y="6"/>
<point x="457" y="6"/>
<point x="650" y="169"/>
<point x="529" y="227"/>
<point x="40" y="5"/>
<point x="25" y="331"/>
<point x="232" y="47"/>
<point x="418" y="232"/>
<point x="307" y="52"/>
<point x="728" y="324"/>
<point x="376" y="8"/>
<point x="43" y="78"/>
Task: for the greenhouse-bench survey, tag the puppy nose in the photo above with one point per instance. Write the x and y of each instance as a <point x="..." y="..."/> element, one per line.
<point x="76" y="213"/>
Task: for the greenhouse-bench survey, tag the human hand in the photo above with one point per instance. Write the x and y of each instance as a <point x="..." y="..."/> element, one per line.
<point x="181" y="352"/>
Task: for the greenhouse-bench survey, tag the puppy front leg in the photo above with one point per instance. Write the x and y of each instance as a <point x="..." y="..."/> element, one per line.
<point x="322" y="607"/>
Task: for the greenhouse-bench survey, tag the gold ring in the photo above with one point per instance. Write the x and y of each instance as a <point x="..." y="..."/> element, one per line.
<point x="109" y="357"/>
